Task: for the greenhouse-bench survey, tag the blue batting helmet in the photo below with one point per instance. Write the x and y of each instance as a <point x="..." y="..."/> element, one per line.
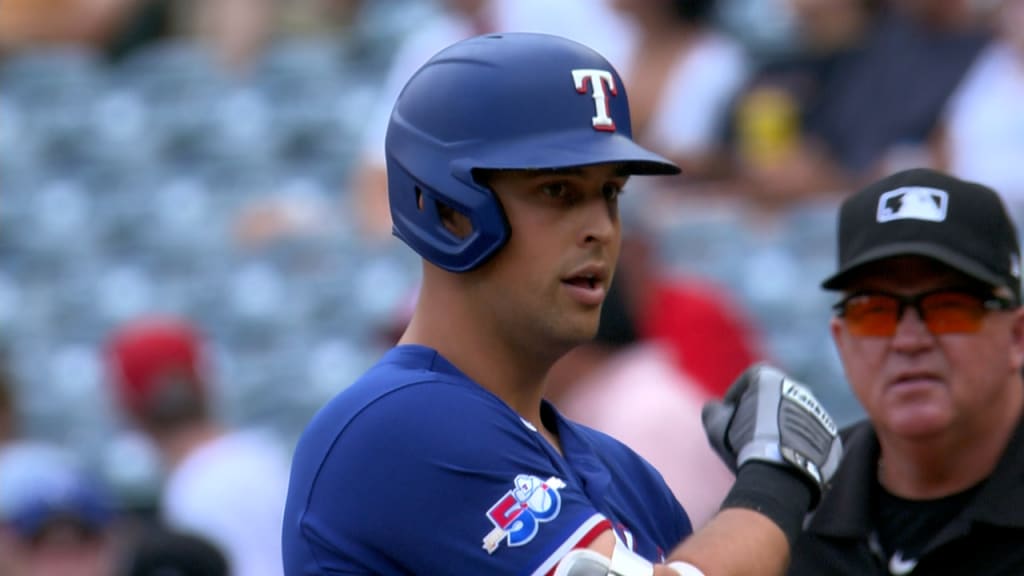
<point x="499" y="102"/>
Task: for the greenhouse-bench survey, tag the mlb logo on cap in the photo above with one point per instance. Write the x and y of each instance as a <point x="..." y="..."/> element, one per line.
<point x="923" y="212"/>
<point x="915" y="202"/>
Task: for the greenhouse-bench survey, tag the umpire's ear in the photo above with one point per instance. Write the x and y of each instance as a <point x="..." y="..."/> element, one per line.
<point x="1017" y="340"/>
<point x="835" y="327"/>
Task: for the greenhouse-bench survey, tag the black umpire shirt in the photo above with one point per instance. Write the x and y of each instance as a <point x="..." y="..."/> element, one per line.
<point x="982" y="536"/>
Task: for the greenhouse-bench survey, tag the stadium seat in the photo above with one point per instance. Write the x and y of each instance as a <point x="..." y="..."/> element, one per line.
<point x="179" y="84"/>
<point x="18" y="184"/>
<point x="61" y="396"/>
<point x="17" y="143"/>
<point x="58" y="231"/>
<point x="12" y="316"/>
<point x="713" y="247"/>
<point x="55" y="89"/>
<point x="120" y="125"/>
<point x="314" y="119"/>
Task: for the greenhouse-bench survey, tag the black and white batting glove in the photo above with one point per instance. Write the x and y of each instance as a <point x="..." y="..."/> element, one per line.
<point x="767" y="416"/>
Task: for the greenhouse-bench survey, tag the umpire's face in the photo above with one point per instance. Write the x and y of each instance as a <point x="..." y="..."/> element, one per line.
<point x="952" y="373"/>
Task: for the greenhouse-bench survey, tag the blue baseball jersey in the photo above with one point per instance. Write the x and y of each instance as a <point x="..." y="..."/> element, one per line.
<point x="416" y="469"/>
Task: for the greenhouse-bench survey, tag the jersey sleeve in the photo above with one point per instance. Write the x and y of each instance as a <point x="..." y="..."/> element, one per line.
<point x="437" y="479"/>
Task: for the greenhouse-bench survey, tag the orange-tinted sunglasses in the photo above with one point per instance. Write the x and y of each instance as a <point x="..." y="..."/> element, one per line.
<point x="944" y="311"/>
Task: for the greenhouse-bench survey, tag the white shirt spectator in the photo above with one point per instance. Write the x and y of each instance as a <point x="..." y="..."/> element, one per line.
<point x="695" y="98"/>
<point x="231" y="491"/>
<point x="985" y="123"/>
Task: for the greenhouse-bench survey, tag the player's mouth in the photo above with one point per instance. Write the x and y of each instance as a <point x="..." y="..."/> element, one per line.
<point x="587" y="285"/>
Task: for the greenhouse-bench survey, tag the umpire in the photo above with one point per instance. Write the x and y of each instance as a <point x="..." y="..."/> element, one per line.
<point x="931" y="335"/>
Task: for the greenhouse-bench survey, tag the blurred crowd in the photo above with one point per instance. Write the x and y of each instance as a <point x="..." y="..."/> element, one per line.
<point x="195" y="249"/>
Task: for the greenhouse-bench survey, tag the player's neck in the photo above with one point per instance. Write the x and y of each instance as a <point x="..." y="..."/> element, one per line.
<point x="492" y="358"/>
<point x="516" y="379"/>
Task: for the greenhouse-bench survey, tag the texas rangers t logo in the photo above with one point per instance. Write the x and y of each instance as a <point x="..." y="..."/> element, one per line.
<point x="600" y="83"/>
<point x="518" y="513"/>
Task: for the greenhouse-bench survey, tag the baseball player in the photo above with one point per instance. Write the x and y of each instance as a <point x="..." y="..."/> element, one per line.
<point x="506" y="156"/>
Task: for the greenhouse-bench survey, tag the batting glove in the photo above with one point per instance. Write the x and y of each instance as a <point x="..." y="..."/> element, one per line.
<point x="766" y="416"/>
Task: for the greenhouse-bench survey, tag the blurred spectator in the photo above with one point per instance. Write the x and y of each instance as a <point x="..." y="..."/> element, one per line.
<point x="765" y="27"/>
<point x="588" y="21"/>
<point x="983" y="138"/>
<point x="863" y="97"/>
<point x="704" y="332"/>
<point x="161" y="552"/>
<point x="27" y="24"/>
<point x="55" y="518"/>
<point x="777" y="156"/>
<point x="682" y="74"/>
<point x="225" y="485"/>
<point x="321" y="17"/>
<point x="235" y="31"/>
<point x="932" y="42"/>
<point x="829" y="27"/>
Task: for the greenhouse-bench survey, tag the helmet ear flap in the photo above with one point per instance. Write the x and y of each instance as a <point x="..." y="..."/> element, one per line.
<point x="450" y="235"/>
<point x="454" y="221"/>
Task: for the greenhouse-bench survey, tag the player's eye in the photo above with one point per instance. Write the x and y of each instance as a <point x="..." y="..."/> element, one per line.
<point x="557" y="190"/>
<point x="612" y="191"/>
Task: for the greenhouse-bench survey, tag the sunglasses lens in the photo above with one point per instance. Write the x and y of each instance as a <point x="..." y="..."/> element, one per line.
<point x="871" y="315"/>
<point x="950" y="312"/>
<point x="943" y="313"/>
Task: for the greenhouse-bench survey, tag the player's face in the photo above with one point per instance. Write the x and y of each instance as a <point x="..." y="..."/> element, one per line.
<point x="546" y="286"/>
<point x="917" y="385"/>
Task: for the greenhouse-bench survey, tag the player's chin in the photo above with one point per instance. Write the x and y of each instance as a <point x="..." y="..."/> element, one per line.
<point x="583" y="331"/>
<point x="577" y="324"/>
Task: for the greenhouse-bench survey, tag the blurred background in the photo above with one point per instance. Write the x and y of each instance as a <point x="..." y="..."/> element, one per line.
<point x="221" y="162"/>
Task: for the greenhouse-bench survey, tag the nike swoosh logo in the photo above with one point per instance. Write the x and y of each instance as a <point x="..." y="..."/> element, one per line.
<point x="899" y="566"/>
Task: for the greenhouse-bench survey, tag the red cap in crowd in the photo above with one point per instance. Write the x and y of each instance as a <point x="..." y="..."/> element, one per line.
<point x="147" y="354"/>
